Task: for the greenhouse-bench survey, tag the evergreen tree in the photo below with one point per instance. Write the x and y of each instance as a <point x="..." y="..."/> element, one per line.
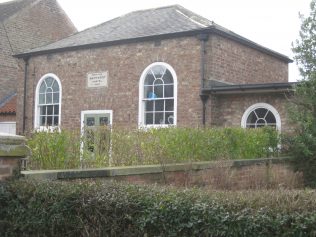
<point x="303" y="103"/>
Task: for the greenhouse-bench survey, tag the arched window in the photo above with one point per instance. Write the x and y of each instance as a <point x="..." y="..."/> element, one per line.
<point x="158" y="96"/>
<point x="48" y="102"/>
<point x="259" y="115"/>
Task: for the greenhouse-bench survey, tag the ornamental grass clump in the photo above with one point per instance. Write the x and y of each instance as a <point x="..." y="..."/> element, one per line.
<point x="104" y="146"/>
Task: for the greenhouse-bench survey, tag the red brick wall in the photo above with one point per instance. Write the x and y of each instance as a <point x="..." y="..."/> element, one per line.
<point x="226" y="60"/>
<point x="38" y="24"/>
<point x="235" y="63"/>
<point x="35" y="25"/>
<point x="125" y="64"/>
<point x="254" y="176"/>
<point x="7" y="118"/>
<point x="227" y="110"/>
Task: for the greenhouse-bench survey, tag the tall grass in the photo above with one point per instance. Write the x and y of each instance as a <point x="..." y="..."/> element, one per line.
<point x="118" y="147"/>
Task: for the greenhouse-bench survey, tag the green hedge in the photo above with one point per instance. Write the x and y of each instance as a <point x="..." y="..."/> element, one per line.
<point x="112" y="209"/>
<point x="119" y="147"/>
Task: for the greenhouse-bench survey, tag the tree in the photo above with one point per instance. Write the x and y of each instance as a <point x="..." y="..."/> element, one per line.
<point x="305" y="47"/>
<point x="303" y="104"/>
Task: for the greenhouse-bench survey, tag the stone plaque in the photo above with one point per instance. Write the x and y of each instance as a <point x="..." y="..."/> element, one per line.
<point x="97" y="79"/>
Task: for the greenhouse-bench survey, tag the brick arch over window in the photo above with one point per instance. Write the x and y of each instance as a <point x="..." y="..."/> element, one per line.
<point x="158" y="96"/>
<point x="259" y="115"/>
<point x="48" y="102"/>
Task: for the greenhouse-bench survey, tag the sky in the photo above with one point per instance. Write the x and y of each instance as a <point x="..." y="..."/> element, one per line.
<point x="274" y="24"/>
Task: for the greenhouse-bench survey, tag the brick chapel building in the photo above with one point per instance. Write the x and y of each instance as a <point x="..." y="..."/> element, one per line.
<point x="25" y="24"/>
<point x="156" y="67"/>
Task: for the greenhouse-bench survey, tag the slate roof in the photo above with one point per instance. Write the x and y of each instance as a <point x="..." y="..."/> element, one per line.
<point x="8" y="105"/>
<point x="8" y="9"/>
<point x="163" y="21"/>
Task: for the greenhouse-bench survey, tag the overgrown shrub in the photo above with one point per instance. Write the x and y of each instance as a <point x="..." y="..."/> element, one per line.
<point x="119" y="147"/>
<point x="112" y="209"/>
<point x="54" y="150"/>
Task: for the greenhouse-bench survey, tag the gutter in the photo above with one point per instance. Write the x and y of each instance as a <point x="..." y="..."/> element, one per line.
<point x="242" y="88"/>
<point x="26" y="60"/>
<point x="204" y="97"/>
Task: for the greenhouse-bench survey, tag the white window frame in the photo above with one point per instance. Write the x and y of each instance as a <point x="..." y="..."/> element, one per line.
<point x="85" y="112"/>
<point x="36" y="112"/>
<point x="264" y="106"/>
<point x="141" y="117"/>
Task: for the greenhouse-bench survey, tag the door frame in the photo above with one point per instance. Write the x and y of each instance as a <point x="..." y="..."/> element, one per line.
<point x="85" y="112"/>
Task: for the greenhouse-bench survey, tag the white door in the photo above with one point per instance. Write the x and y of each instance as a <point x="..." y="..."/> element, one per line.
<point x="8" y="127"/>
<point x="95" y="130"/>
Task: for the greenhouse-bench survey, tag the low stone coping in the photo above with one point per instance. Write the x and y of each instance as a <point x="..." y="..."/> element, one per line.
<point x="144" y="169"/>
<point x="13" y="146"/>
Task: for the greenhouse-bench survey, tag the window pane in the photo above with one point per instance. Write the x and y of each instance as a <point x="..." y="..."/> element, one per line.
<point x="55" y="86"/>
<point x="159" y="118"/>
<point x="158" y="71"/>
<point x="169" y="91"/>
<point x="56" y="97"/>
<point x="149" y="80"/>
<point x="261" y="123"/>
<point x="169" y="118"/>
<point x="270" y="118"/>
<point x="103" y="121"/>
<point x="49" y="98"/>
<point x="148" y="92"/>
<point x="167" y="77"/>
<point x="50" y="110"/>
<point x="90" y="121"/>
<point x="42" y="88"/>
<point x="43" y="110"/>
<point x="148" y="118"/>
<point x="49" y="81"/>
<point x="42" y="120"/>
<point x="41" y="99"/>
<point x="169" y="105"/>
<point x="158" y="90"/>
<point x="159" y="105"/>
<point x="149" y="106"/>
<point x="56" y="109"/>
<point x="261" y="112"/>
<point x="252" y="118"/>
<point x="49" y="120"/>
<point x="56" y="120"/>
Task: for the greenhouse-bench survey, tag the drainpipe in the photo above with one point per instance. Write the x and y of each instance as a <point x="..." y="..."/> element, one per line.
<point x="26" y="61"/>
<point x="204" y="97"/>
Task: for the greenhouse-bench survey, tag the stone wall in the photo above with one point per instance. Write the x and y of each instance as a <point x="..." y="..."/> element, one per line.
<point x="12" y="150"/>
<point x="238" y="174"/>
